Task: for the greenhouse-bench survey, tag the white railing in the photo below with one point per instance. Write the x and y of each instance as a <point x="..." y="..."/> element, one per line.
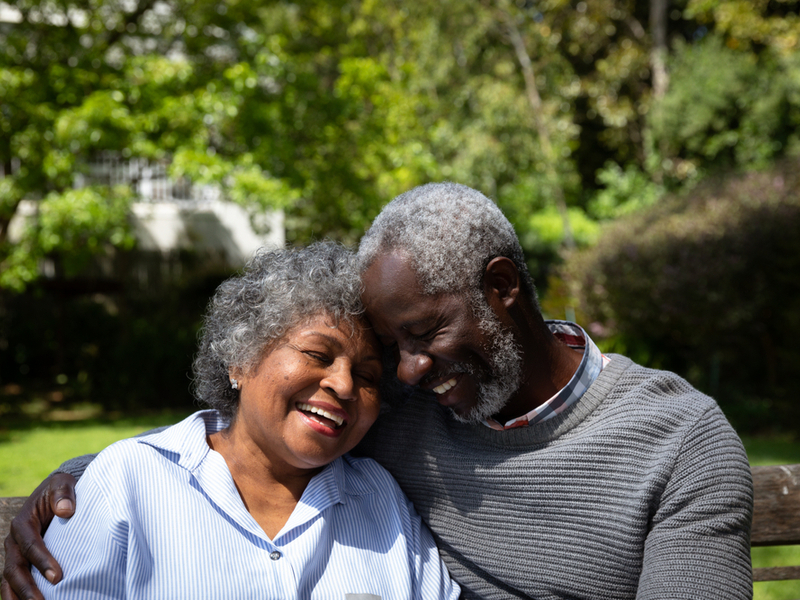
<point x="150" y="181"/>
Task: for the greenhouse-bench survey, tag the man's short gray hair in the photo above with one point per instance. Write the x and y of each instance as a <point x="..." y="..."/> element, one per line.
<point x="450" y="232"/>
<point x="276" y="291"/>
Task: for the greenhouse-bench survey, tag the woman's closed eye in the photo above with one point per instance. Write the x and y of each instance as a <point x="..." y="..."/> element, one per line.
<point x="318" y="356"/>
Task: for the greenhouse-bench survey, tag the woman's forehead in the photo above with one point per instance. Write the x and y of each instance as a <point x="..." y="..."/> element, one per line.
<point x="353" y="329"/>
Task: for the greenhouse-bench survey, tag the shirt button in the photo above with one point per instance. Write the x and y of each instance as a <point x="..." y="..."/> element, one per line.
<point x="274" y="555"/>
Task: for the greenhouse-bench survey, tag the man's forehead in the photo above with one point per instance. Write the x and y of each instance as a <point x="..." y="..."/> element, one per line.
<point x="393" y="292"/>
<point x="391" y="272"/>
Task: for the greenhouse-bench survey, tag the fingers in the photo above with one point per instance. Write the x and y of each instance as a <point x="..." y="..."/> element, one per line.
<point x="24" y="545"/>
<point x="17" y="575"/>
<point x="5" y="591"/>
<point x="62" y="495"/>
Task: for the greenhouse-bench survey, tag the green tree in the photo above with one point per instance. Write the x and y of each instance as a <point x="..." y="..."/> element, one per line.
<point x="562" y="111"/>
<point x="78" y="80"/>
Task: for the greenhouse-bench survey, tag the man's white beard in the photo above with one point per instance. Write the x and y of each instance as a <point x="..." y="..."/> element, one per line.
<point x="496" y="387"/>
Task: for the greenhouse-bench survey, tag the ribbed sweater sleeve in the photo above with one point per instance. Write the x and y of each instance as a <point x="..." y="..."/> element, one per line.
<point x="75" y="466"/>
<point x="699" y="543"/>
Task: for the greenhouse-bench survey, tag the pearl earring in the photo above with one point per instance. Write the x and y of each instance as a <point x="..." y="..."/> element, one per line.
<point x="234" y="384"/>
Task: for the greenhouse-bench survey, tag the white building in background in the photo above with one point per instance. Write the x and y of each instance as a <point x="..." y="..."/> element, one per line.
<point x="171" y="216"/>
<point x="175" y="215"/>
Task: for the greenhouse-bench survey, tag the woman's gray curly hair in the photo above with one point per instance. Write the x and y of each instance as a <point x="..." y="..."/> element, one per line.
<point x="276" y="291"/>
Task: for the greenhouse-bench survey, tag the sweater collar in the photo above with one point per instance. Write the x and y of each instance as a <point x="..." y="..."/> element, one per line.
<point x="575" y="414"/>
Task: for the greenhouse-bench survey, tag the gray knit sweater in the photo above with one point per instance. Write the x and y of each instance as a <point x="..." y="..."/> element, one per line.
<point x="640" y="490"/>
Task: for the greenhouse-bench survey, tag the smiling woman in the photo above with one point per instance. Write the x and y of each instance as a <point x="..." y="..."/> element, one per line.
<point x="257" y="497"/>
<point x="311" y="399"/>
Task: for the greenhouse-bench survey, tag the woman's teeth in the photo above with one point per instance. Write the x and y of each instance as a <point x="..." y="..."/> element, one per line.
<point x="441" y="389"/>
<point x="322" y="413"/>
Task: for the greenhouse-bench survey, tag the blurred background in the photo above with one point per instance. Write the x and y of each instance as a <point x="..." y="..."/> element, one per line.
<point x="648" y="154"/>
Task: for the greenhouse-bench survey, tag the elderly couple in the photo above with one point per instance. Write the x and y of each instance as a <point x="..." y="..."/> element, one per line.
<point x="537" y="466"/>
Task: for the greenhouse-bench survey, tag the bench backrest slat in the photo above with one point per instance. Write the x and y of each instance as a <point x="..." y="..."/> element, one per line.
<point x="9" y="507"/>
<point x="776" y="506"/>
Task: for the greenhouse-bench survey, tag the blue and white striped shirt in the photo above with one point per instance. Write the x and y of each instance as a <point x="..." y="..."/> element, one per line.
<point x="159" y="517"/>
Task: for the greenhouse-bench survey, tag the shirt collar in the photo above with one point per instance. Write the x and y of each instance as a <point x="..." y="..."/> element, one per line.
<point x="591" y="364"/>
<point x="185" y="442"/>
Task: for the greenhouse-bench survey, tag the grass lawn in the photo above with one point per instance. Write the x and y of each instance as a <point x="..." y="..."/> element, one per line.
<point x="28" y="454"/>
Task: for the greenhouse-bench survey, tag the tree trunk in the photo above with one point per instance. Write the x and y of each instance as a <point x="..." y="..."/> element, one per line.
<point x="535" y="101"/>
<point x="658" y="53"/>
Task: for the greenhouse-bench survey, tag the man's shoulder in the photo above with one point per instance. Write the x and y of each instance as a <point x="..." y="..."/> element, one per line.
<point x="653" y="402"/>
<point x="657" y="387"/>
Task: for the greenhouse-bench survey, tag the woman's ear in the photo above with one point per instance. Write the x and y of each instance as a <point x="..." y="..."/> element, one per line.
<point x="501" y="283"/>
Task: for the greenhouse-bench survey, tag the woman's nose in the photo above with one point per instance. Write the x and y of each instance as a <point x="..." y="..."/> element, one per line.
<point x="340" y="381"/>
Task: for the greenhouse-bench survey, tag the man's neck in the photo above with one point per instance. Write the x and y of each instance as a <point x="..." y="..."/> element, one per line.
<point x="548" y="365"/>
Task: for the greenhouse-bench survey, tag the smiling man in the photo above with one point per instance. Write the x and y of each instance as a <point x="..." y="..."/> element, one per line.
<point x="544" y="468"/>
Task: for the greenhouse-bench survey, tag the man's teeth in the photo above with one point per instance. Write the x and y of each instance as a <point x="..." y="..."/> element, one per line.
<point x="441" y="389"/>
<point x="322" y="413"/>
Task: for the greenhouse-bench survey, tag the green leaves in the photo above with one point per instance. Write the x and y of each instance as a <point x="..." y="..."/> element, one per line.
<point x="75" y="225"/>
<point x="82" y="221"/>
<point x="329" y="109"/>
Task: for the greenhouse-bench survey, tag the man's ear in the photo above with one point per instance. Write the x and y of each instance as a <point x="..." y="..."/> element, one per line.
<point x="501" y="282"/>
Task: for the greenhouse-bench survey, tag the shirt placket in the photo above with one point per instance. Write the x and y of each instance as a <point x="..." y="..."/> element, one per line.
<point x="283" y="574"/>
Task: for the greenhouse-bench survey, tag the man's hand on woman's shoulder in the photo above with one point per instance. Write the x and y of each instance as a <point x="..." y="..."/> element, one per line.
<point x="24" y="545"/>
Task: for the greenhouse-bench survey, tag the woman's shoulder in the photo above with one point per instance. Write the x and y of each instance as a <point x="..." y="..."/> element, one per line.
<point x="365" y="475"/>
<point x="183" y="442"/>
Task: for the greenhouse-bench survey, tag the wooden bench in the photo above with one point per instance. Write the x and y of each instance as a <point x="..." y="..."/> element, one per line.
<point x="776" y="516"/>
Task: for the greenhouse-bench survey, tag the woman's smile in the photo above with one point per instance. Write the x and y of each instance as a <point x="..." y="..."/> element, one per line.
<point x="323" y="418"/>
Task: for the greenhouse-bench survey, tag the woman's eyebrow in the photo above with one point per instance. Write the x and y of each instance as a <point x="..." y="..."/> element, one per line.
<point x="335" y="341"/>
<point x="321" y="334"/>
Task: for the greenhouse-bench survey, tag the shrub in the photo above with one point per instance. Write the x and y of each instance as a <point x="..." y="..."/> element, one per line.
<point x="128" y="347"/>
<point x="707" y="285"/>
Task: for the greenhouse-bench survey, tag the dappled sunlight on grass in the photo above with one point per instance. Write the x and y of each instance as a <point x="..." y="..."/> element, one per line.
<point x="776" y="590"/>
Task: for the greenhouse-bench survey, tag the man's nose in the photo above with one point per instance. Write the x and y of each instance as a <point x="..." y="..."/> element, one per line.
<point x="413" y="366"/>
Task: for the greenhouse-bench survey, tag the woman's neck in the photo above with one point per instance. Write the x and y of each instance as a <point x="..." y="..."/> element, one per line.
<point x="269" y="495"/>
